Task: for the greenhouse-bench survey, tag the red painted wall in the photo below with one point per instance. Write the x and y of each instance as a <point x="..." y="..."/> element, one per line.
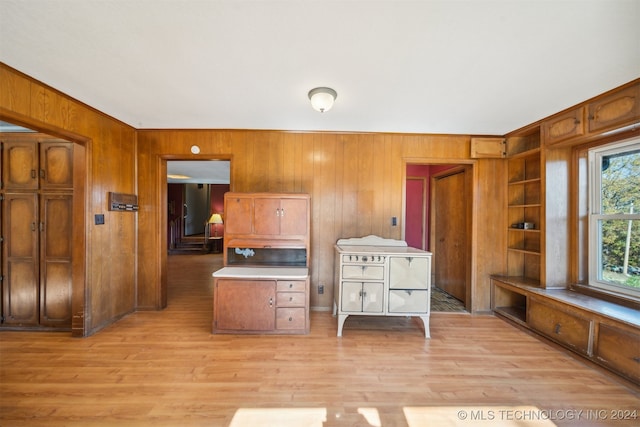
<point x="413" y="223"/>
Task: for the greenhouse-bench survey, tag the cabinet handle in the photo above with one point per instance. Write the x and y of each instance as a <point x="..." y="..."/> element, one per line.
<point x="277" y="212"/>
<point x="556" y="330"/>
<point x="271" y="302"/>
<point x="290" y="285"/>
<point x="282" y="212"/>
<point x="42" y="173"/>
<point x="636" y="359"/>
<point x="290" y="319"/>
<point x="576" y="122"/>
<point x="290" y="298"/>
<point x="42" y="226"/>
<point x="33" y="173"/>
<point x="33" y="226"/>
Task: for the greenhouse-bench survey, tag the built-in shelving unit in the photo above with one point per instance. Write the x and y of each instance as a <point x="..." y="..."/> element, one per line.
<point x="525" y="205"/>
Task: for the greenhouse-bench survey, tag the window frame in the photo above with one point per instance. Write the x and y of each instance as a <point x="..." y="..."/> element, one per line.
<point x="595" y="216"/>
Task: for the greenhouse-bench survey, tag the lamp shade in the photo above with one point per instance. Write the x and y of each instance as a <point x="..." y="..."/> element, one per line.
<point x="322" y="98"/>
<point x="215" y="219"/>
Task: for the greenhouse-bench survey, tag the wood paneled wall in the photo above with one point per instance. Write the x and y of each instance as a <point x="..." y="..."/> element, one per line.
<point x="355" y="182"/>
<point x="104" y="256"/>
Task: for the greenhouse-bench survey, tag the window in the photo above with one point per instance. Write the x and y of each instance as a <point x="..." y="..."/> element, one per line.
<point x="614" y="217"/>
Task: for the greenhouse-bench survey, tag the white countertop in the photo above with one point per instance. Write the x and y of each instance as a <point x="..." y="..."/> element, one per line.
<point x="296" y="273"/>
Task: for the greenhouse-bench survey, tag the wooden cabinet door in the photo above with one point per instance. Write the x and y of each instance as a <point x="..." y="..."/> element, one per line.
<point x="20" y="293"/>
<point x="237" y="215"/>
<point x="617" y="109"/>
<point x="56" y="165"/>
<point x="244" y="305"/>
<point x="266" y="216"/>
<point x="55" y="260"/>
<point x="20" y="161"/>
<point x="293" y="217"/>
<point x="563" y="127"/>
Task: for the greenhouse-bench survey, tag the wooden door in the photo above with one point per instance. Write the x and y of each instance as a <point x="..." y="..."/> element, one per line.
<point x="293" y="217"/>
<point x="55" y="260"/>
<point x="20" y="291"/>
<point x="56" y="165"/>
<point x="20" y="159"/>
<point x="450" y="233"/>
<point x="237" y="215"/>
<point x="244" y="305"/>
<point x="266" y="216"/>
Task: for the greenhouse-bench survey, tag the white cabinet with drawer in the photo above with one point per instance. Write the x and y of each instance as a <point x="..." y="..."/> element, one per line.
<point x="381" y="277"/>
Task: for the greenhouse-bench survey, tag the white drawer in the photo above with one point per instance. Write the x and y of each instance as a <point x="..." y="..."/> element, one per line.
<point x="362" y="272"/>
<point x="408" y="301"/>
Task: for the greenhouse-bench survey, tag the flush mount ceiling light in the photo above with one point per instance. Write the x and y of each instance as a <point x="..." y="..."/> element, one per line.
<point x="322" y="98"/>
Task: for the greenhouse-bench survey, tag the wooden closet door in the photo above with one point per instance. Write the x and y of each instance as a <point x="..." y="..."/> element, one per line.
<point x="450" y="234"/>
<point x="55" y="260"/>
<point x="20" y="293"/>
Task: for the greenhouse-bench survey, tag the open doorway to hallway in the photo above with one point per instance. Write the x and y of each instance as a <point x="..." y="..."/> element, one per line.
<point x="438" y="219"/>
<point x="195" y="203"/>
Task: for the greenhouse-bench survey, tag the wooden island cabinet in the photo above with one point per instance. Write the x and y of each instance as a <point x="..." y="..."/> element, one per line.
<point x="263" y="287"/>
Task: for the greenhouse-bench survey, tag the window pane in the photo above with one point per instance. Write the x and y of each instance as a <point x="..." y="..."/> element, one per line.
<point x="620" y="252"/>
<point x="620" y="184"/>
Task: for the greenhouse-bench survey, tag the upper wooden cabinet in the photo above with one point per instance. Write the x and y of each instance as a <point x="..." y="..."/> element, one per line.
<point x="280" y="216"/>
<point x="30" y="164"/>
<point x="20" y="159"/>
<point x="564" y="126"/>
<point x="56" y="165"/>
<point x="615" y="110"/>
<point x="266" y="216"/>
<point x="238" y="211"/>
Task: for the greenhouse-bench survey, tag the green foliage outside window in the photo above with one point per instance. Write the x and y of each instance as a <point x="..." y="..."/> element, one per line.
<point x="620" y="194"/>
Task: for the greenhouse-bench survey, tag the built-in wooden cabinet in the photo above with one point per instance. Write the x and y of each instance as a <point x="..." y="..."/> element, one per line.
<point x="524" y="205"/>
<point x="33" y="165"/>
<point x="617" y="109"/>
<point x="559" y="324"/>
<point x="36" y="224"/>
<point x="619" y="349"/>
<point x="601" y="331"/>
<point x="564" y="126"/>
<point x="610" y="111"/>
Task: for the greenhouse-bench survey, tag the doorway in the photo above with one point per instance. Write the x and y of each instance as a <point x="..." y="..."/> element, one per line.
<point x="438" y="219"/>
<point x="195" y="192"/>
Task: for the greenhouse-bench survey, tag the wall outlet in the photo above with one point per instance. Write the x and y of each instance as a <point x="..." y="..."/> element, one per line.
<point x="394" y="221"/>
<point x="320" y="289"/>
<point x="99" y="219"/>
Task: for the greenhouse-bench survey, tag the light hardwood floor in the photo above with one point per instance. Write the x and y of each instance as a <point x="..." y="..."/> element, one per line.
<point x="167" y="369"/>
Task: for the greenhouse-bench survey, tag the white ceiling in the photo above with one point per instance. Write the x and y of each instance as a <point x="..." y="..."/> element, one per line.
<point x="466" y="67"/>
